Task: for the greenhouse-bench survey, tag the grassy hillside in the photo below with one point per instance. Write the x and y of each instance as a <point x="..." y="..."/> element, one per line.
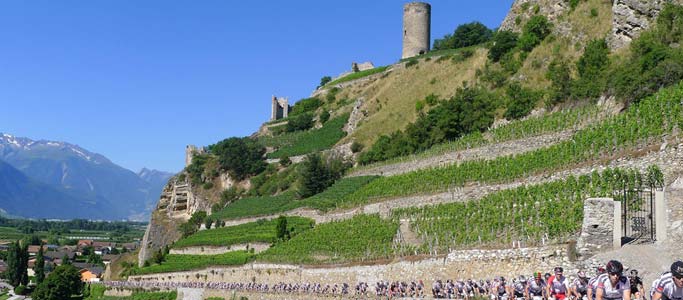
<point x="390" y="101"/>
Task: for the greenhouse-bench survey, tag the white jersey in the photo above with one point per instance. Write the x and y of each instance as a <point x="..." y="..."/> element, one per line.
<point x="593" y="285"/>
<point x="668" y="288"/>
<point x="558" y="285"/>
<point x="536" y="288"/>
<point x="613" y="292"/>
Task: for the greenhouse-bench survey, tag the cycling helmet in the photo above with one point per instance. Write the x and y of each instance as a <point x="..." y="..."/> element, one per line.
<point x="502" y="278"/>
<point x="634" y="272"/>
<point x="537" y="275"/>
<point x="547" y="275"/>
<point x="677" y="269"/>
<point x="581" y="274"/>
<point x="558" y="270"/>
<point x="522" y="279"/>
<point x="614" y="267"/>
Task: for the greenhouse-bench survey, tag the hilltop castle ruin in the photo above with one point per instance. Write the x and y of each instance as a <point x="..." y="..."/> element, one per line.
<point x="280" y="108"/>
<point x="416" y="29"/>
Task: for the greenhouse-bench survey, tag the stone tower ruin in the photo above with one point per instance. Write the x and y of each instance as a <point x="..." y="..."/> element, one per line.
<point x="190" y="152"/>
<point x="416" y="28"/>
<point x="280" y="108"/>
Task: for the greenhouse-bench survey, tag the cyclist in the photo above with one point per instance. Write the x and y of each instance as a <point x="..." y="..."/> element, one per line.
<point x="593" y="283"/>
<point x="613" y="285"/>
<point x="558" y="285"/>
<point x="637" y="289"/>
<point x="670" y="285"/>
<point x="519" y="288"/>
<point x="536" y="289"/>
<point x="500" y="289"/>
<point x="580" y="286"/>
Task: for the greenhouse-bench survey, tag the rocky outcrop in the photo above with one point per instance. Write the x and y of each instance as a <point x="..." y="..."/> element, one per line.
<point x="177" y="203"/>
<point x="522" y="10"/>
<point x="631" y="17"/>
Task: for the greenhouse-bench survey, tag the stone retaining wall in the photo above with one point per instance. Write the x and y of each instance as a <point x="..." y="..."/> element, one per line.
<point x="487" y="152"/>
<point x="457" y="264"/>
<point x="213" y="250"/>
<point x="668" y="158"/>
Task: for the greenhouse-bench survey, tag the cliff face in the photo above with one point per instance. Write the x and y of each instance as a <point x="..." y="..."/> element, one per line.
<point x="178" y="201"/>
<point x="629" y="17"/>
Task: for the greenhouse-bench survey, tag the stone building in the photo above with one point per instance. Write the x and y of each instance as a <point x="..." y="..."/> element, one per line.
<point x="416" y="29"/>
<point x="191" y="151"/>
<point x="280" y="108"/>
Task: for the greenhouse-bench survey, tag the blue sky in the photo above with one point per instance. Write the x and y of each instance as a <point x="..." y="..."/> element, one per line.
<point x="136" y="81"/>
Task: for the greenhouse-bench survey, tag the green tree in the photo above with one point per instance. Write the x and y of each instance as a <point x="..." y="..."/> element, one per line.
<point x="61" y="284"/>
<point x="503" y="42"/>
<point x="314" y="176"/>
<point x="465" y="35"/>
<point x="39" y="267"/>
<point x="283" y="233"/>
<point x="13" y="264"/>
<point x="521" y="101"/>
<point x="158" y="257"/>
<point x="241" y="157"/>
<point x="534" y="32"/>
<point x="591" y="67"/>
<point x="324" y="80"/>
<point x="66" y="260"/>
<point x="300" y="122"/>
<point x="560" y="78"/>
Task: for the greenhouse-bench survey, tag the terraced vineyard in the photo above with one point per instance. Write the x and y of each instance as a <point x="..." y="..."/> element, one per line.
<point x="335" y="196"/>
<point x="178" y="262"/>
<point x="262" y="231"/>
<point x="553" y="122"/>
<point x="363" y="237"/>
<point x="647" y="120"/>
<point x="303" y="142"/>
<point x="530" y="213"/>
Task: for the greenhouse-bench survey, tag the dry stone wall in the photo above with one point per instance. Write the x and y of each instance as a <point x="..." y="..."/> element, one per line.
<point x="491" y="151"/>
<point x="457" y="264"/>
<point x="668" y="158"/>
<point x="597" y="231"/>
<point x="213" y="250"/>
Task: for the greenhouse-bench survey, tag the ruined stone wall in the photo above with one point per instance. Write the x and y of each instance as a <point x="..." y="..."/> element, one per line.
<point x="597" y="231"/>
<point x="416" y="29"/>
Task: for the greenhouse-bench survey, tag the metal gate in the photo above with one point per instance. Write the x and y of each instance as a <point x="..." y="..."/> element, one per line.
<point x="637" y="213"/>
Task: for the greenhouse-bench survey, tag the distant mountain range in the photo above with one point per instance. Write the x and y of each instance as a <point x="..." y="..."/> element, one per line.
<point x="48" y="179"/>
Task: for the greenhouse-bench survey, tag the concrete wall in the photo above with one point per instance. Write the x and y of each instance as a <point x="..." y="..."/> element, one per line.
<point x="416" y="29"/>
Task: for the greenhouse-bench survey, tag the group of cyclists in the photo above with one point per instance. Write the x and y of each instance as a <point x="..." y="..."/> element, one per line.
<point x="609" y="283"/>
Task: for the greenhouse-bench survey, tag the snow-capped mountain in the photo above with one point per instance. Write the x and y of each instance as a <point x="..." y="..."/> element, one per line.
<point x="84" y="174"/>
